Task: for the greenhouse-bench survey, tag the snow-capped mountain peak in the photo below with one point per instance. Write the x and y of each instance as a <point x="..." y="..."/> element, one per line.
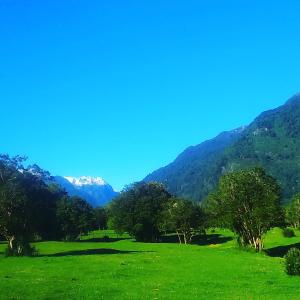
<point x="86" y="180"/>
<point x="95" y="190"/>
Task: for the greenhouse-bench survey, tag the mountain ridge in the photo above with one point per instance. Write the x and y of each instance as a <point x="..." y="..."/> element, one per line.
<point x="270" y="141"/>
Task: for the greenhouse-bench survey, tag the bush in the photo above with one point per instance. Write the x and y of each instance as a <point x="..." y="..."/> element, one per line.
<point x="292" y="262"/>
<point x="288" y="232"/>
<point x="27" y="250"/>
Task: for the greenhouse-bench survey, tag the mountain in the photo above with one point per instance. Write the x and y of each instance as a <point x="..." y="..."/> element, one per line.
<point x="272" y="141"/>
<point x="93" y="189"/>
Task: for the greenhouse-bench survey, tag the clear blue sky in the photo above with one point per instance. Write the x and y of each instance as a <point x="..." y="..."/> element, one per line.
<point x="120" y="88"/>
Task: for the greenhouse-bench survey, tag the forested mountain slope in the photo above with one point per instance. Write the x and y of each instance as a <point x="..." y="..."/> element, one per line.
<point x="272" y="141"/>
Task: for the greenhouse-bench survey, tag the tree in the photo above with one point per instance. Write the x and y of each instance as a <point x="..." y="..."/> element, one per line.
<point x="186" y="218"/>
<point x="75" y="217"/>
<point x="293" y="212"/>
<point x="16" y="215"/>
<point x="138" y="210"/>
<point x="215" y="210"/>
<point x="248" y="202"/>
<point x="48" y="224"/>
<point x="19" y="190"/>
<point x="32" y="207"/>
<point x="100" y="218"/>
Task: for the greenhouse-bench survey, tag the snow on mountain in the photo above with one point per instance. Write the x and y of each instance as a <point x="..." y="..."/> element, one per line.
<point x="86" y="180"/>
<point x="95" y="190"/>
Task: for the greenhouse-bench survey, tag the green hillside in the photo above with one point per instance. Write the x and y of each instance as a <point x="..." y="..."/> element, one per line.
<point x="272" y="141"/>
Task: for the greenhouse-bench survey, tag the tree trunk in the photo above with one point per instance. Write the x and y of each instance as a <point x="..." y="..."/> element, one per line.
<point x="11" y="243"/>
<point x="19" y="247"/>
<point x="185" y="239"/>
<point x="258" y="244"/>
<point x="179" y="237"/>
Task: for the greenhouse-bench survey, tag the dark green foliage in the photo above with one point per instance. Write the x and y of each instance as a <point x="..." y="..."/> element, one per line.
<point x="138" y="210"/>
<point x="195" y="172"/>
<point x="292" y="212"/>
<point x="216" y="212"/>
<point x="30" y="209"/>
<point x="292" y="262"/>
<point x="21" y="248"/>
<point x="48" y="225"/>
<point x="271" y="141"/>
<point x="75" y="217"/>
<point x="247" y="202"/>
<point x="288" y="232"/>
<point x="101" y="218"/>
<point x="19" y="199"/>
<point x="186" y="218"/>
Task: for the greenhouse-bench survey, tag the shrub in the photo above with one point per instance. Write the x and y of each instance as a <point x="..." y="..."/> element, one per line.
<point x="288" y="232"/>
<point x="27" y="250"/>
<point x="292" y="262"/>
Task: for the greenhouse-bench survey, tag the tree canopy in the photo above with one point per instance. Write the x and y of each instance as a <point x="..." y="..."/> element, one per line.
<point x="31" y="207"/>
<point x="20" y="194"/>
<point x="247" y="202"/>
<point x="138" y="210"/>
<point x="186" y="218"/>
<point x="75" y="217"/>
<point x="293" y="212"/>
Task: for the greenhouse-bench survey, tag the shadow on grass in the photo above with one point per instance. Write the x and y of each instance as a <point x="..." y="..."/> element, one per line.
<point x="103" y="240"/>
<point x="201" y="240"/>
<point x="212" y="239"/>
<point x="91" y="252"/>
<point x="281" y="251"/>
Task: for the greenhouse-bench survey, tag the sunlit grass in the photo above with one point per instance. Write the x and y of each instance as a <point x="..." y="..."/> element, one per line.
<point x="123" y="269"/>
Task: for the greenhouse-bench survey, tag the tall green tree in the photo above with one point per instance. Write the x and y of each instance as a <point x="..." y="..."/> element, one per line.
<point x="19" y="196"/>
<point x="247" y="202"/>
<point x="75" y="217"/>
<point x="48" y="226"/>
<point x="139" y="209"/>
<point x="293" y="212"/>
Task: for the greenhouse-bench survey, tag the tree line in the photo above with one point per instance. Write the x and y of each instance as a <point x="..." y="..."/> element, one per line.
<point x="147" y="211"/>
<point x="246" y="202"/>
<point x="32" y="207"/>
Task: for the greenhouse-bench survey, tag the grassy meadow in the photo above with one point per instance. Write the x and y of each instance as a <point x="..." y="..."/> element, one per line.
<point x="121" y="268"/>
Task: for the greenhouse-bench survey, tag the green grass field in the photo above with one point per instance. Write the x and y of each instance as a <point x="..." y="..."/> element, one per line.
<point x="124" y="269"/>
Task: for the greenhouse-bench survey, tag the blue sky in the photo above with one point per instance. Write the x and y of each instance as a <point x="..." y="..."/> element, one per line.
<point x="120" y="88"/>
